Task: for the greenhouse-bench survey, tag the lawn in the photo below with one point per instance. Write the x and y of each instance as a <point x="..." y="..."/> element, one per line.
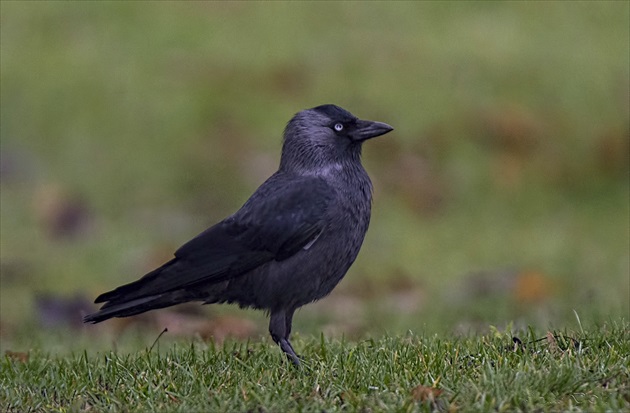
<point x="505" y="372"/>
<point x="501" y="200"/>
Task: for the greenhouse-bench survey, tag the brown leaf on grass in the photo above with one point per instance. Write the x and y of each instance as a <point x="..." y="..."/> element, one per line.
<point x="423" y="393"/>
<point x="20" y="356"/>
<point x="532" y="287"/>
<point x="551" y="341"/>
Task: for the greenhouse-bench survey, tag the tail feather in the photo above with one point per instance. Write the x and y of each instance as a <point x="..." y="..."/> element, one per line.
<point x="136" y="289"/>
<point x="150" y="292"/>
<point x="129" y="308"/>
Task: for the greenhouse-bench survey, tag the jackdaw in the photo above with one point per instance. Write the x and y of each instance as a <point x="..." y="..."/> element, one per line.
<point x="288" y="245"/>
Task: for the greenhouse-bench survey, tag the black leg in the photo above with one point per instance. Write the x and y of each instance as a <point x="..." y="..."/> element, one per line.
<point x="288" y="321"/>
<point x="278" y="323"/>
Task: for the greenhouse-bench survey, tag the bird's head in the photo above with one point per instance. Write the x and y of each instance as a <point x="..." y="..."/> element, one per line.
<point x="325" y="136"/>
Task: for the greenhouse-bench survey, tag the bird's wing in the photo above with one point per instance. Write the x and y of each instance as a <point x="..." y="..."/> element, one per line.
<point x="282" y="217"/>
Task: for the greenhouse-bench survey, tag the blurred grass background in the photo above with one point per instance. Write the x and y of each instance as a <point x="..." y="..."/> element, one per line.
<point x="501" y="197"/>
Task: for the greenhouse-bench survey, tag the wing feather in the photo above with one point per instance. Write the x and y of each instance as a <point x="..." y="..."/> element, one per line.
<point x="284" y="215"/>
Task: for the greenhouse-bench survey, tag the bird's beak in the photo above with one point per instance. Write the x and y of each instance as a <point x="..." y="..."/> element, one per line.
<point x="367" y="129"/>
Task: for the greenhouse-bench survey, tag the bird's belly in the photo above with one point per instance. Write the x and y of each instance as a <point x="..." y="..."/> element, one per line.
<point x="303" y="278"/>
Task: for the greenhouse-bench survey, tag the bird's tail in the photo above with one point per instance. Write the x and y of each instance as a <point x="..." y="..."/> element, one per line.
<point x="139" y="296"/>
<point x="132" y="307"/>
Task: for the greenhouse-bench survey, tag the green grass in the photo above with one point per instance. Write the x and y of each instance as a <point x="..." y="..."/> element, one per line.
<point x="501" y="198"/>
<point x="584" y="370"/>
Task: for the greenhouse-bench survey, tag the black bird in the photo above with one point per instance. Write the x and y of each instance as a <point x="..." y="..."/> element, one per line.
<point x="288" y="245"/>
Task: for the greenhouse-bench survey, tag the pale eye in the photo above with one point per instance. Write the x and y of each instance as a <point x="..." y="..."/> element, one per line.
<point x="338" y="127"/>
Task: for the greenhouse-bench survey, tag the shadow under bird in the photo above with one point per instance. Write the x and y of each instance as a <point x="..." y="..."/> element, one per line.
<point x="289" y="244"/>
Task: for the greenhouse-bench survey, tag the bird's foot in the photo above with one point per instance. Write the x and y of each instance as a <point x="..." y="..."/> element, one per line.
<point x="285" y="345"/>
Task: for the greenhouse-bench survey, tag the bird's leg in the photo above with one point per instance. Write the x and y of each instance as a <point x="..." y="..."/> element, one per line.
<point x="278" y="323"/>
<point x="288" y="321"/>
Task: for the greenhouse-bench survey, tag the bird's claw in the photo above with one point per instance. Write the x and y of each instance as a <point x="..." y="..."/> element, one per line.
<point x="285" y="345"/>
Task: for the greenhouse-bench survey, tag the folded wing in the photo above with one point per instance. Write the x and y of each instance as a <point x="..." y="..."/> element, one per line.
<point x="282" y="217"/>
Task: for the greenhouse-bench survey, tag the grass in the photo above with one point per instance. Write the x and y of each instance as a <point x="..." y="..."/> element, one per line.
<point x="584" y="370"/>
<point x="500" y="199"/>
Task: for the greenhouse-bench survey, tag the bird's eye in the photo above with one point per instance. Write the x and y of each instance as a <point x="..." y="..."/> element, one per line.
<point x="338" y="127"/>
